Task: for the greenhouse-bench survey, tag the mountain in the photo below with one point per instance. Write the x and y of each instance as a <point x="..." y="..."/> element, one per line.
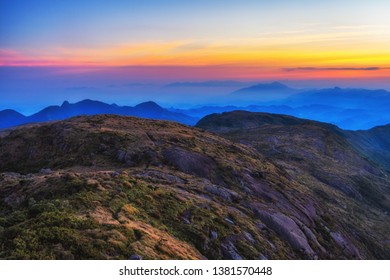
<point x="321" y="157"/>
<point x="353" y="119"/>
<point x="373" y="143"/>
<point x="274" y="86"/>
<point x="10" y="118"/>
<point x="343" y="98"/>
<point x="150" y="109"/>
<point x="114" y="187"/>
<point x="265" y="92"/>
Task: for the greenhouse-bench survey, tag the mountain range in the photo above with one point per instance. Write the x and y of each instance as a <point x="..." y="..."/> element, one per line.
<point x="9" y="118"/>
<point x="352" y="109"/>
<point x="239" y="185"/>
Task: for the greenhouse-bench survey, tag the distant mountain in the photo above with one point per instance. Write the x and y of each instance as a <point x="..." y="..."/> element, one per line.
<point x="11" y="118"/>
<point x="150" y="110"/>
<point x="263" y="92"/>
<point x="274" y="87"/>
<point x="343" y="98"/>
<point x="344" y="118"/>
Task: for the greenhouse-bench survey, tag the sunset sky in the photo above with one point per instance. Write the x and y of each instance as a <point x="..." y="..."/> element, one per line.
<point x="53" y="46"/>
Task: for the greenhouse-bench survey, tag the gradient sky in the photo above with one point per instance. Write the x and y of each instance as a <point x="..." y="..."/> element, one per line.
<point x="90" y="46"/>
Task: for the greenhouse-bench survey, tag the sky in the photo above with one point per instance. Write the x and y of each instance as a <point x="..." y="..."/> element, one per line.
<point x="126" y="51"/>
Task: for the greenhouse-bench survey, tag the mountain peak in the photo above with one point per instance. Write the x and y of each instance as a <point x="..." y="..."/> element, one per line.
<point x="265" y="87"/>
<point x="65" y="103"/>
<point x="271" y="86"/>
<point x="149" y="105"/>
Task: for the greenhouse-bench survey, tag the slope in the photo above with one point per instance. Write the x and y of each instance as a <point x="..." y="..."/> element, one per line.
<point x="110" y="187"/>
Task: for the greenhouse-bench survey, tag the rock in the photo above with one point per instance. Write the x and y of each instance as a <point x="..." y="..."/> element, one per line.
<point x="140" y="156"/>
<point x="213" y="235"/>
<point x="222" y="192"/>
<point x="229" y="221"/>
<point x="115" y="174"/>
<point x="346" y="246"/>
<point x="229" y="251"/>
<point x="249" y="237"/>
<point x="262" y="257"/>
<point x="190" y="162"/>
<point x="162" y="176"/>
<point x="46" y="171"/>
<point x="120" y="155"/>
<point x="186" y="217"/>
<point x="311" y="236"/>
<point x="261" y="226"/>
<point x="135" y="257"/>
<point x="288" y="230"/>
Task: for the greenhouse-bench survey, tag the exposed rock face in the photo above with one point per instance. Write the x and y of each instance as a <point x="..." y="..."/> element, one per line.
<point x="223" y="193"/>
<point x="229" y="250"/>
<point x="288" y="230"/>
<point x="189" y="162"/>
<point x="346" y="246"/>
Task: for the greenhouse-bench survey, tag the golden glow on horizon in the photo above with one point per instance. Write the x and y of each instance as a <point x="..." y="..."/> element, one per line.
<point x="292" y="55"/>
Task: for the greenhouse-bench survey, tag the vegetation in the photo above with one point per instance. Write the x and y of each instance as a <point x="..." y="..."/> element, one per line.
<point x="109" y="187"/>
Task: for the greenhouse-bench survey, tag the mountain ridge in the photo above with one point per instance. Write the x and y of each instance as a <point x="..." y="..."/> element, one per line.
<point x="113" y="187"/>
<point x="150" y="109"/>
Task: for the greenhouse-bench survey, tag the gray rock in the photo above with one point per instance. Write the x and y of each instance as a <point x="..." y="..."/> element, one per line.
<point x="262" y="257"/>
<point x="186" y="217"/>
<point x="249" y="237"/>
<point x="222" y="192"/>
<point x="288" y="230"/>
<point x="229" y="221"/>
<point x="191" y="163"/>
<point x="229" y="251"/>
<point x="46" y="171"/>
<point x="311" y="236"/>
<point x="135" y="257"/>
<point x="261" y="226"/>
<point x="120" y="155"/>
<point x="346" y="246"/>
<point x="115" y="174"/>
<point x="213" y="235"/>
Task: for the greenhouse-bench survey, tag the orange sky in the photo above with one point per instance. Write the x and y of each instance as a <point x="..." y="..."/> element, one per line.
<point x="248" y="39"/>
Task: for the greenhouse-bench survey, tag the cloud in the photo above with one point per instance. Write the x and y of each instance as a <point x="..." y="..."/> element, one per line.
<point x="291" y="69"/>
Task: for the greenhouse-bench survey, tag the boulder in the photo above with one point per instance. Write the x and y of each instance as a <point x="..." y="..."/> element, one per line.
<point x="287" y="230"/>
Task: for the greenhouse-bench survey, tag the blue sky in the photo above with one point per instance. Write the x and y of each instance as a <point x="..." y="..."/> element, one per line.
<point x="47" y="47"/>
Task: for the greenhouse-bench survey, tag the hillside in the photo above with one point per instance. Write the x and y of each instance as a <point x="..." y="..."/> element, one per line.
<point x="338" y="166"/>
<point x="322" y="150"/>
<point x="373" y="143"/>
<point x="110" y="187"/>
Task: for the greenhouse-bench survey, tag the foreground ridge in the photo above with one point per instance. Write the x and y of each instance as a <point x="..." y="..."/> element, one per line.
<point x="111" y="187"/>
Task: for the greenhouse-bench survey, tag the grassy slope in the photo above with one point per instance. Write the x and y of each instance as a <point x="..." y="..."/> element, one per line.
<point x="122" y="186"/>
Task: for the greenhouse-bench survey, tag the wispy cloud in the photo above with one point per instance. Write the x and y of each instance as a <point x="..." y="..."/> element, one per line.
<point x="291" y="69"/>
